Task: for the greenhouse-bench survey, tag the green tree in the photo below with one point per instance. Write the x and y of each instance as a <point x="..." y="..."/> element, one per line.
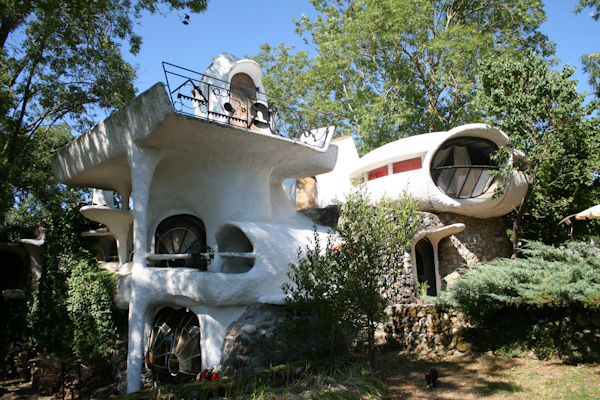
<point x="61" y="62"/>
<point x="385" y="69"/>
<point x="51" y="327"/>
<point x="591" y="62"/>
<point x="36" y="193"/>
<point x="349" y="282"/>
<point x="92" y="311"/>
<point x="593" y="4"/>
<point x="71" y="309"/>
<point x="544" y="115"/>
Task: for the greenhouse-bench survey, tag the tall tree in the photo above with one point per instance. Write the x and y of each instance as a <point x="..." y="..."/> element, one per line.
<point x="591" y="62"/>
<point x="61" y="62"/>
<point x="385" y="69"/>
<point x="545" y="115"/>
<point x="35" y="191"/>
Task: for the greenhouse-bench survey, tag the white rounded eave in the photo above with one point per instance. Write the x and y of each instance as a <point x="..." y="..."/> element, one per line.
<point x="250" y="68"/>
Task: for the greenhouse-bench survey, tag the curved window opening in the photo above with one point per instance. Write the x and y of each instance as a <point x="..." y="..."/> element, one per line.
<point x="174" y="345"/>
<point x="184" y="237"/>
<point x="236" y="250"/>
<point x="461" y="167"/>
<point x="407" y="165"/>
<point x="395" y="168"/>
<point x="426" y="265"/>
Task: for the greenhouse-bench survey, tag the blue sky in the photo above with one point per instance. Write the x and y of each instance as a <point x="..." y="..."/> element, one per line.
<point x="240" y="27"/>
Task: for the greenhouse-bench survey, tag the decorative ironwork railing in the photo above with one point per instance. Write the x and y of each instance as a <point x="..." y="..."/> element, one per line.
<point x="464" y="181"/>
<point x="205" y="97"/>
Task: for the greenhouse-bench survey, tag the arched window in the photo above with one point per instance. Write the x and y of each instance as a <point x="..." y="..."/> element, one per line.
<point x="461" y="167"/>
<point x="241" y="99"/>
<point x="236" y="250"/>
<point x="174" y="344"/>
<point x="183" y="235"/>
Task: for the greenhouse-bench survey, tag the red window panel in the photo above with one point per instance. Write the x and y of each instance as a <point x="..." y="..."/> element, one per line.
<point x="407" y="165"/>
<point x="378" y="173"/>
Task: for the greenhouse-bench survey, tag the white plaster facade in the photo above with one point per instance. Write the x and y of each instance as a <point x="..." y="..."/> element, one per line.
<point x="409" y="164"/>
<point x="228" y="177"/>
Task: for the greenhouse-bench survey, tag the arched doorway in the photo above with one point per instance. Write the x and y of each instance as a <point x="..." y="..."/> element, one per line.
<point x="425" y="258"/>
<point x="241" y="99"/>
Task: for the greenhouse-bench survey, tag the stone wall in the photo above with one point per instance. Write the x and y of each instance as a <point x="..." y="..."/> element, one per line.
<point x="257" y="340"/>
<point x="482" y="240"/>
<point x="423" y="329"/>
<point x="261" y="336"/>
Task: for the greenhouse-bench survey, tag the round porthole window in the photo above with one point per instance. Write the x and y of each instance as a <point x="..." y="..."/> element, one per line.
<point x="461" y="167"/>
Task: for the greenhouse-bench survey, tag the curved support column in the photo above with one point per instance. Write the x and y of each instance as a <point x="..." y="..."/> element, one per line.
<point x="143" y="162"/>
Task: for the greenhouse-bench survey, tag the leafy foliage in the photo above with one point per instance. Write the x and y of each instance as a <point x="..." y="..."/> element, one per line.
<point x="72" y="310"/>
<point x="348" y="283"/>
<point x="393" y="68"/>
<point x="547" y="277"/>
<point x="35" y="192"/>
<point x="543" y="113"/>
<point x="92" y="310"/>
<point x="48" y="317"/>
<point x="591" y="62"/>
<point x="61" y="63"/>
<point x="593" y="4"/>
<point x="532" y="300"/>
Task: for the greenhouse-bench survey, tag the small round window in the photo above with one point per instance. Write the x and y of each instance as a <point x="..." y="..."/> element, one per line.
<point x="461" y="167"/>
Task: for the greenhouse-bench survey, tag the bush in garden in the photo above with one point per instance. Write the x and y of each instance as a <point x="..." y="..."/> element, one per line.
<point x="72" y="309"/>
<point x="347" y="279"/>
<point x="92" y="310"/>
<point x="531" y="302"/>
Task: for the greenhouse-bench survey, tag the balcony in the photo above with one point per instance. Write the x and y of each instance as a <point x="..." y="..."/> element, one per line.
<point x="243" y="106"/>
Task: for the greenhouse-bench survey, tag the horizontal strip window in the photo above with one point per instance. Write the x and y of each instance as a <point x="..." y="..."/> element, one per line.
<point x="378" y="173"/>
<point x="407" y="165"/>
<point x="396" y="168"/>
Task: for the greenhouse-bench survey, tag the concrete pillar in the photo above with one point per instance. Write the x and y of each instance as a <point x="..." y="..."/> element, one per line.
<point x="143" y="162"/>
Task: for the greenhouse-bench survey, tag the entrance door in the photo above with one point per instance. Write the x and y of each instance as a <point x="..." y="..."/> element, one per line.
<point x="426" y="265"/>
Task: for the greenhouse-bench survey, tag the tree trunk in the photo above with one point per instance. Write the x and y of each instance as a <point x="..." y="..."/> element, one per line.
<point x="520" y="213"/>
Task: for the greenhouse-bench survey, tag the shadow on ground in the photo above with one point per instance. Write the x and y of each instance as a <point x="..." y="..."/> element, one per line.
<point x="460" y="377"/>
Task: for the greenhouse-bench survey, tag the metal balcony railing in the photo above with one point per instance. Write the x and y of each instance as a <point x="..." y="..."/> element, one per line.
<point x="208" y="98"/>
<point x="464" y="181"/>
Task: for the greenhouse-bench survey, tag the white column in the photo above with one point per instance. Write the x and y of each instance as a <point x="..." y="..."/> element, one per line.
<point x="143" y="163"/>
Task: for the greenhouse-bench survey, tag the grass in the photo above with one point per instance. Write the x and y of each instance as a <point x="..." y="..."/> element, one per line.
<point x="314" y="380"/>
<point x="399" y="375"/>
<point x="488" y="376"/>
<point x="396" y="375"/>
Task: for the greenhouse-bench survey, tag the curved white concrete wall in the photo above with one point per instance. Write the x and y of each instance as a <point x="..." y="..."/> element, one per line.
<point x="332" y="185"/>
<point x="420" y="183"/>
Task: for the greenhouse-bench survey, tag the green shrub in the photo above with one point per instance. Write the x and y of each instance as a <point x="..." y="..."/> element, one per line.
<point x="91" y="309"/>
<point x="530" y="302"/>
<point x="348" y="279"/>
<point x="72" y="309"/>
